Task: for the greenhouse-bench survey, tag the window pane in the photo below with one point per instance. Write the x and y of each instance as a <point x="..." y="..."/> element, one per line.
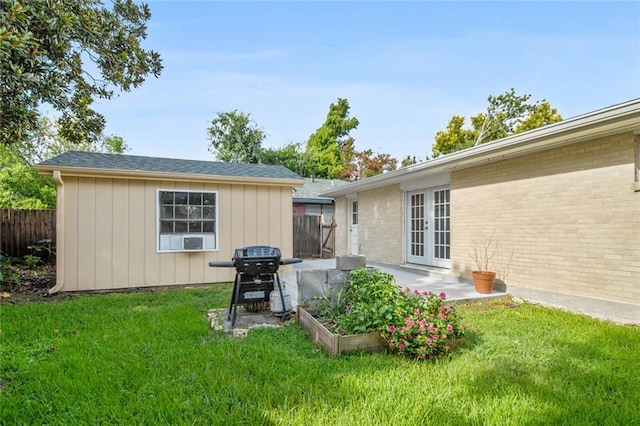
<point x="208" y="212"/>
<point x="166" y="212"/>
<point x="195" y="212"/>
<point x="166" y="227"/>
<point x="181" y="212"/>
<point x="195" y="227"/>
<point x="209" y="199"/>
<point x="209" y="226"/>
<point x="181" y="198"/>
<point x="195" y="198"/>
<point x="166" y="197"/>
<point x="181" y="227"/>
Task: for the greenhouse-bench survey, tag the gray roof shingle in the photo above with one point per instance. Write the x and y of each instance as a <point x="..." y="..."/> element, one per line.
<point x="94" y="160"/>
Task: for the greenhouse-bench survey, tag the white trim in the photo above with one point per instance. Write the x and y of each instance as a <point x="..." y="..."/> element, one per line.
<point x="187" y="234"/>
<point x="616" y="119"/>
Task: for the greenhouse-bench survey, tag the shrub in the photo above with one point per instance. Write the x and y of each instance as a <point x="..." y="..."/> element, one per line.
<point x="429" y="329"/>
<point x="414" y="324"/>
<point x="31" y="261"/>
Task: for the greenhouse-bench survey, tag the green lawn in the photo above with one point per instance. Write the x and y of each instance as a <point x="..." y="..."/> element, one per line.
<point x="151" y="358"/>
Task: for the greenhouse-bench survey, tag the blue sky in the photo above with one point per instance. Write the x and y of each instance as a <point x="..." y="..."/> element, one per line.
<point x="405" y="67"/>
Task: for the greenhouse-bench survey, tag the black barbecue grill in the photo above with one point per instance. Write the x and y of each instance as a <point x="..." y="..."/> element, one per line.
<point x="256" y="276"/>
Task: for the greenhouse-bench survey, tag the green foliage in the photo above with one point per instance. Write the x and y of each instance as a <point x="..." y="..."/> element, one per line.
<point x="43" y="47"/>
<point x="32" y="261"/>
<point x="325" y="146"/>
<point x="409" y="160"/>
<point x="368" y="163"/>
<point x="506" y="114"/>
<point x="235" y="138"/>
<point x="21" y="187"/>
<point x="44" y="249"/>
<point x="291" y="156"/>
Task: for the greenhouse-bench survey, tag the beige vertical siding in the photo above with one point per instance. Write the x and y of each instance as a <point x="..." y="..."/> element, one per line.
<point x="110" y="232"/>
<point x="568" y="219"/>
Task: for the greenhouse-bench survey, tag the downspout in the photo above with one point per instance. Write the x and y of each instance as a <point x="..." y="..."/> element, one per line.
<point x="60" y="249"/>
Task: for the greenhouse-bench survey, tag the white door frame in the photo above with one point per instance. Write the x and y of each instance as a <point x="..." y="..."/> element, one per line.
<point x="428" y="226"/>
<point x="352" y="220"/>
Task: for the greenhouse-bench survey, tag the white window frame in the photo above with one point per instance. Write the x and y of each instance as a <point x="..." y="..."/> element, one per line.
<point x="175" y="240"/>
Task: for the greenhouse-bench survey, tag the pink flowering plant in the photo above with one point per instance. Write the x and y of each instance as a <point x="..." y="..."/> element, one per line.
<point x="428" y="329"/>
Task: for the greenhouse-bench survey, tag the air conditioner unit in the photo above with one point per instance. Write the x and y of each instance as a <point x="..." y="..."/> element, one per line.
<point x="192" y="242"/>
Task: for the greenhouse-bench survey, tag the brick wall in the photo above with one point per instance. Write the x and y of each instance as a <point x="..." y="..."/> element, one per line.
<point x="568" y="219"/>
<point x="380" y="224"/>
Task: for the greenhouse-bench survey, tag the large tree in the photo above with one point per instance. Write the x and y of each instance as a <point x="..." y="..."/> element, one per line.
<point x="506" y="114"/>
<point x="291" y="156"/>
<point x="63" y="54"/>
<point x="235" y="138"/>
<point x="369" y="163"/>
<point x="327" y="146"/>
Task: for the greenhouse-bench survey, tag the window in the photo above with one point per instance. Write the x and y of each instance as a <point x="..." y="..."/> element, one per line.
<point x="187" y="220"/>
<point x="354" y="213"/>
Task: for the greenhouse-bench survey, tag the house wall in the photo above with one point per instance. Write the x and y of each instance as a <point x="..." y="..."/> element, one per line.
<point x="565" y="220"/>
<point x="342" y="230"/>
<point x="380" y="214"/>
<point x="110" y="241"/>
<point x="380" y="224"/>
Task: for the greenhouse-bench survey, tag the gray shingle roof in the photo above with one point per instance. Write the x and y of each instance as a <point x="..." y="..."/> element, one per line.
<point x="314" y="186"/>
<point x="93" y="160"/>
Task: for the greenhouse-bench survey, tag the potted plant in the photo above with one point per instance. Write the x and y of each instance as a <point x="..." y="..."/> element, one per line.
<point x="483" y="277"/>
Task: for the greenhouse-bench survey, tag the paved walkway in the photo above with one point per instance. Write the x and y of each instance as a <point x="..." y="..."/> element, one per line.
<point x="416" y="279"/>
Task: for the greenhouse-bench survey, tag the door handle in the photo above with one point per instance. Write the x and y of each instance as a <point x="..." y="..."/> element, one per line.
<point x="426" y="224"/>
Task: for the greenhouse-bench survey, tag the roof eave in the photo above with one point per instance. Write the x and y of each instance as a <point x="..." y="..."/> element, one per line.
<point x="179" y="177"/>
<point x="616" y="119"/>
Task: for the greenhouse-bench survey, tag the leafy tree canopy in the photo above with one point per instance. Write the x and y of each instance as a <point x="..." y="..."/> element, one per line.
<point x="63" y="54"/>
<point x="329" y="145"/>
<point x="291" y="156"/>
<point x="506" y="114"/>
<point x="236" y="138"/>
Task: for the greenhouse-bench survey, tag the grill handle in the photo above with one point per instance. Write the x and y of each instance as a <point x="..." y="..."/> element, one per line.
<point x="290" y="261"/>
<point x="222" y="264"/>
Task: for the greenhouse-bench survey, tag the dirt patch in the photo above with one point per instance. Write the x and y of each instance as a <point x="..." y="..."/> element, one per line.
<point x="24" y="281"/>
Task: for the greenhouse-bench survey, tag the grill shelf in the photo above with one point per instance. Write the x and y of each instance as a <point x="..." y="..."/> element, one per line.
<point x="256" y="276"/>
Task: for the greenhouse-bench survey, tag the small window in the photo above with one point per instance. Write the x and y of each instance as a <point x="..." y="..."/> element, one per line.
<point x="187" y="221"/>
<point x="354" y="213"/>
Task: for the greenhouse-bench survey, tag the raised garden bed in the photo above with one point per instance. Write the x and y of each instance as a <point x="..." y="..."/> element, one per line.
<point x="337" y="344"/>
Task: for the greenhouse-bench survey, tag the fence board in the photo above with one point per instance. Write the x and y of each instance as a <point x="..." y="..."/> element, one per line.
<point x="306" y="236"/>
<point x="21" y="228"/>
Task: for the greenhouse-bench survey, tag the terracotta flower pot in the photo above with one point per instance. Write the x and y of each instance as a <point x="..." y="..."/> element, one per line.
<point x="483" y="281"/>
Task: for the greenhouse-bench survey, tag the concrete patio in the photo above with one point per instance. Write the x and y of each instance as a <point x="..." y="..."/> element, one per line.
<point x="455" y="289"/>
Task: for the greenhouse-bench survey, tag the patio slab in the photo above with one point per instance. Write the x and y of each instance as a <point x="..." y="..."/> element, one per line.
<point x="455" y="289"/>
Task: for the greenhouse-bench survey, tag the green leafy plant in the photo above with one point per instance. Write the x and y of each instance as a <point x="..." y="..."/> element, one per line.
<point x="32" y="261"/>
<point x="414" y="324"/>
<point x="370" y="302"/>
<point x="43" y="249"/>
<point x="430" y="328"/>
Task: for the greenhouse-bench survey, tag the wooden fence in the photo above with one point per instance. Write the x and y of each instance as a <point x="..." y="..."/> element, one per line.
<point x="22" y="228"/>
<point x="311" y="238"/>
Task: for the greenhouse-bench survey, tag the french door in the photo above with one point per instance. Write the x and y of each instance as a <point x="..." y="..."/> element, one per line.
<point x="428" y="227"/>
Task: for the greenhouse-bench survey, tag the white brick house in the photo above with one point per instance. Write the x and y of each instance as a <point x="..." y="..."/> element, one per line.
<point x="562" y="202"/>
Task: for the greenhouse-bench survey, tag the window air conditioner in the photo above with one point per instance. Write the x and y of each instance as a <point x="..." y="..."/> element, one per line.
<point x="192" y="242"/>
